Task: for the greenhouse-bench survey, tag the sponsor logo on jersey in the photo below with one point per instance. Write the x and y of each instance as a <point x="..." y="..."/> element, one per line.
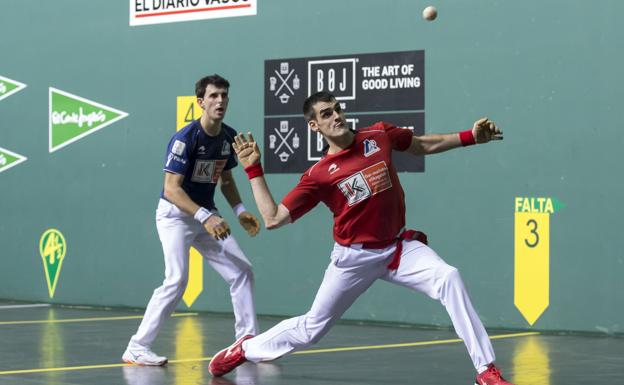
<point x="208" y="171"/>
<point x="178" y="147"/>
<point x="366" y="183"/>
<point x="355" y="188"/>
<point x="171" y="157"/>
<point x="225" y="150"/>
<point x="333" y="168"/>
<point x="201" y="150"/>
<point x="370" y="147"/>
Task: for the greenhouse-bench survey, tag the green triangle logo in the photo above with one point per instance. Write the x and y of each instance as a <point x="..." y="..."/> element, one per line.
<point x="52" y="247"/>
<point x="9" y="159"/>
<point x="73" y="117"/>
<point x="8" y="87"/>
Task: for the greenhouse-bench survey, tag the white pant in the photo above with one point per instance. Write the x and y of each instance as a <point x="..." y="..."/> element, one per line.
<point x="354" y="270"/>
<point x="179" y="231"/>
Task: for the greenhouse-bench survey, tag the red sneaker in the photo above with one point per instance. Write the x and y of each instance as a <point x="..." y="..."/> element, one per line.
<point x="229" y="358"/>
<point x="492" y="376"/>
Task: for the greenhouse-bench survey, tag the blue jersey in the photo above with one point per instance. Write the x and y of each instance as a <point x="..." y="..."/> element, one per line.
<point x="201" y="159"/>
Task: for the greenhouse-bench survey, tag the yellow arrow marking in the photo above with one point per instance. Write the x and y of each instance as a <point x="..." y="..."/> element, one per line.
<point x="195" y="279"/>
<point x="531" y="265"/>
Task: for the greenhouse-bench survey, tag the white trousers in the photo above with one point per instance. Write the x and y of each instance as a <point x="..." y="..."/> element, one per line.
<point x="179" y="231"/>
<point x="354" y="270"/>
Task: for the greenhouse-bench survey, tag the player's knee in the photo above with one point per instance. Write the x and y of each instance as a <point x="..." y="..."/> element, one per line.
<point x="244" y="277"/>
<point x="452" y="276"/>
<point x="181" y="286"/>
<point x="452" y="283"/>
<point x="314" y="339"/>
<point x="446" y="283"/>
<point x="247" y="273"/>
<point x="311" y="336"/>
<point x="315" y="329"/>
<point x="176" y="283"/>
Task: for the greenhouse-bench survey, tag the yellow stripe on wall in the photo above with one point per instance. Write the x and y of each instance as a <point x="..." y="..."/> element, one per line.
<point x="187" y="111"/>
<point x="531" y="264"/>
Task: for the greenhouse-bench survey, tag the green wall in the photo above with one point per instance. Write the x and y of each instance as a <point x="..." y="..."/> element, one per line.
<point x="550" y="73"/>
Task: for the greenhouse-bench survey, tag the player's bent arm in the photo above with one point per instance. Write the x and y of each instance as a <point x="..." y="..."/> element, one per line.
<point x="176" y="195"/>
<point x="433" y="144"/>
<point x="274" y="216"/>
<point x="229" y="189"/>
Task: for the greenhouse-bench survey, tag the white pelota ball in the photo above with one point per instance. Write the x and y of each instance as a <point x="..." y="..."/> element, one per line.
<point x="430" y="13"/>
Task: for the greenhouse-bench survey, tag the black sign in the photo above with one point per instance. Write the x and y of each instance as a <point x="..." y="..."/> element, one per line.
<point x="392" y="81"/>
<point x="290" y="147"/>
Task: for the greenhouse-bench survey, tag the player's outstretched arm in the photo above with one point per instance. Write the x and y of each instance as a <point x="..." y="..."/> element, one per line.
<point x="483" y="131"/>
<point x="246" y="148"/>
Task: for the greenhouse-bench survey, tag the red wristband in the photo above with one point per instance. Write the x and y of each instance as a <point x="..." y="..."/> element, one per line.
<point x="466" y="138"/>
<point x="255" y="170"/>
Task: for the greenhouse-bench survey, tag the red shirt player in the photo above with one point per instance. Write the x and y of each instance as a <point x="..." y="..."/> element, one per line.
<point x="358" y="182"/>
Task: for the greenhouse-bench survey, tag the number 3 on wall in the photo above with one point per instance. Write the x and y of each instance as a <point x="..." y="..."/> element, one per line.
<point x="533" y="231"/>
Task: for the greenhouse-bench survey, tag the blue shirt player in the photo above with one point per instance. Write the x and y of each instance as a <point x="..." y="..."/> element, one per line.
<point x="201" y="159"/>
<point x="198" y="158"/>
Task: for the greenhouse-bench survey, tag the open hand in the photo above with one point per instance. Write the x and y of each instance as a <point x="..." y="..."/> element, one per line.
<point x="246" y="149"/>
<point x="249" y="222"/>
<point x="217" y="227"/>
<point x="485" y="130"/>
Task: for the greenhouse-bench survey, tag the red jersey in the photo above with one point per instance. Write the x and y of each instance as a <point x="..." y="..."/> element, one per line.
<point x="359" y="185"/>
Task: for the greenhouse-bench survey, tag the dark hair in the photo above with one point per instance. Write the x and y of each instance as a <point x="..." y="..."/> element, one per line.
<point x="216" y="80"/>
<point x="308" y="105"/>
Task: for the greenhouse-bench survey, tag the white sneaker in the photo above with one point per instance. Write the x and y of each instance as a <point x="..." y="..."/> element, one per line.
<point x="143" y="357"/>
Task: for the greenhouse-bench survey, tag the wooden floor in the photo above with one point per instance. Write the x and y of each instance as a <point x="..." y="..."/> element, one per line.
<point x="83" y="346"/>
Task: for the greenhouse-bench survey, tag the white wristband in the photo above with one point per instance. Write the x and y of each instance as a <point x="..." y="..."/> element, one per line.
<point x="238" y="209"/>
<point x="202" y="215"/>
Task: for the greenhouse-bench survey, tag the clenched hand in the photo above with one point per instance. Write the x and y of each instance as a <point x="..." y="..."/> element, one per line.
<point x="485" y="130"/>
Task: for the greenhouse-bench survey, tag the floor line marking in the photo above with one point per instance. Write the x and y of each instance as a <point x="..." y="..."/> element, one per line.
<point x="72" y="320"/>
<point x="312" y="351"/>
<point x="406" y="345"/>
<point x="24" y="306"/>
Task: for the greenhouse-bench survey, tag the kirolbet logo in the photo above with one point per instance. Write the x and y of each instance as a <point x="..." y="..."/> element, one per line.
<point x="52" y="247"/>
<point x="73" y="117"/>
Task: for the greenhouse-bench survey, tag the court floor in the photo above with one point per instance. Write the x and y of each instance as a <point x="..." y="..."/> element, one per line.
<point x="41" y="344"/>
